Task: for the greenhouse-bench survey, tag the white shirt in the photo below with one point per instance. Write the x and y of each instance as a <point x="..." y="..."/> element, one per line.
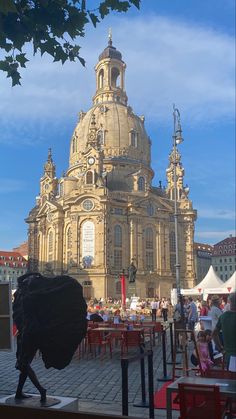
<point x="154" y="305"/>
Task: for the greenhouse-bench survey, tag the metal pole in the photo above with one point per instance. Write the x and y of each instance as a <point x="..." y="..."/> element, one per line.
<point x="150" y="384"/>
<point x="142" y="371"/>
<point x="171" y="342"/>
<point x="143" y="403"/>
<point x="123" y="290"/>
<point x="177" y="265"/>
<point x="176" y="116"/>
<point x="124" y="371"/>
<point x="163" y="338"/>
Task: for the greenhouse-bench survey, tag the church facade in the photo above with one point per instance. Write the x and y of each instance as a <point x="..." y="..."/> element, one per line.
<point x="104" y="213"/>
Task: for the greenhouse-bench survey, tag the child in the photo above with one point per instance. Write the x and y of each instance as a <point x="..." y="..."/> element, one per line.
<point x="203" y="350"/>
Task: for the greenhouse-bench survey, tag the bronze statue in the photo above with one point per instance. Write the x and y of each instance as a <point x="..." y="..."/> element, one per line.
<point x="50" y="316"/>
<point x="132" y="272"/>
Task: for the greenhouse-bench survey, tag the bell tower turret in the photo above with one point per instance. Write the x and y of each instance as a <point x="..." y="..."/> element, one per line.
<point x="110" y="76"/>
<point x="48" y="182"/>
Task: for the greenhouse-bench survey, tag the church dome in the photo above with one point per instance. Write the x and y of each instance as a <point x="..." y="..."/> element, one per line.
<point x="118" y="130"/>
<point x="110" y="125"/>
<point x="110" y="52"/>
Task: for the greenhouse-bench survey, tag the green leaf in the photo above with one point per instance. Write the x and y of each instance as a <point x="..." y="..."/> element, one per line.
<point x="21" y="59"/>
<point x="94" y="19"/>
<point x="83" y="62"/>
<point x="7" y="6"/>
<point x="8" y="47"/>
<point x="15" y="77"/>
<point x="103" y="10"/>
<point x="4" y="65"/>
<point x="60" y="55"/>
<point x="9" y="59"/>
<point x="136" y="3"/>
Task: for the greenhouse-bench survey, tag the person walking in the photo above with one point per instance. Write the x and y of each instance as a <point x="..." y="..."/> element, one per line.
<point x="192" y="314"/>
<point x="164" y="306"/>
<point x="154" y="308"/>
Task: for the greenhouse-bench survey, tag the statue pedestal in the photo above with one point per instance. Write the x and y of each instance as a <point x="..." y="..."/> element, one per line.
<point x="52" y="402"/>
<point x="131" y="289"/>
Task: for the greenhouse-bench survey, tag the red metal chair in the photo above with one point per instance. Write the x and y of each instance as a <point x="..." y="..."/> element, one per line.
<point x="97" y="339"/>
<point x="201" y="401"/>
<point x="131" y="338"/>
<point x="227" y="375"/>
<point x="92" y="325"/>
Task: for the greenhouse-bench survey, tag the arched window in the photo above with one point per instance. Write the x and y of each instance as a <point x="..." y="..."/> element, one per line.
<point x="88" y="244"/>
<point x="118" y="247"/>
<point x="133" y="138"/>
<point x="101" y="137"/>
<point x="73" y="145"/>
<point x="172" y="241"/>
<point x="115" y="77"/>
<point x="39" y="249"/>
<point x="118" y="287"/>
<point x="61" y="188"/>
<point x="141" y="184"/>
<point x="172" y="252"/>
<point x="149" y="238"/>
<point x="118" y="236"/>
<point x="101" y="79"/>
<point x="50" y="246"/>
<point x="149" y="249"/>
<point x="89" y="177"/>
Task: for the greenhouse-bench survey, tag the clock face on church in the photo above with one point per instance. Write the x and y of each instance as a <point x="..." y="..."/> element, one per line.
<point x="91" y="160"/>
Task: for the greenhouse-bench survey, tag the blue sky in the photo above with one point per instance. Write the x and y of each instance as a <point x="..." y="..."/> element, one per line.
<point x="176" y="51"/>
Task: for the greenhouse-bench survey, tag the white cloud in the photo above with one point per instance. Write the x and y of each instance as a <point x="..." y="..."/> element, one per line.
<point x="220" y="214"/>
<point x="213" y="237"/>
<point x="167" y="61"/>
<point x="11" y="185"/>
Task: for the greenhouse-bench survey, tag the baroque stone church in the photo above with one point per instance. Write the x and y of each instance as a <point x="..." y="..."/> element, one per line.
<point x="104" y="213"/>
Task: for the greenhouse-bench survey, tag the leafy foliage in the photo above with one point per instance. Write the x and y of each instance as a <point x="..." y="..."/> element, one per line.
<point x="48" y="24"/>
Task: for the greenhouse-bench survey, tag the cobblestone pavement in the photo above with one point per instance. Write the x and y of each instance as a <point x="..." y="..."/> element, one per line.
<point x="95" y="382"/>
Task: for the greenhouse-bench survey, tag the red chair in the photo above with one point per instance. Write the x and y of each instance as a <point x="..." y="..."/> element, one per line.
<point x="131" y="338"/>
<point x="92" y="325"/>
<point x="227" y="375"/>
<point x="97" y="339"/>
<point x="201" y="402"/>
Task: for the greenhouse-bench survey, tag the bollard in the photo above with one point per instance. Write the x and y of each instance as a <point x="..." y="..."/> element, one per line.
<point x="150" y="384"/>
<point x="163" y="338"/>
<point x="143" y="403"/>
<point x="171" y="344"/>
<point x="124" y="368"/>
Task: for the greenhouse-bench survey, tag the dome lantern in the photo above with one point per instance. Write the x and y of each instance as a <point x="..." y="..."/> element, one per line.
<point x="110" y="76"/>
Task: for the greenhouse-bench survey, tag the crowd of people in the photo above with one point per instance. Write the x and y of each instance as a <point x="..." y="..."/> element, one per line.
<point x="220" y="338"/>
<point x="143" y="308"/>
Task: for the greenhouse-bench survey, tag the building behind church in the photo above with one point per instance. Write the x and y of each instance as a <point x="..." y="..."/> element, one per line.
<point x="105" y="213"/>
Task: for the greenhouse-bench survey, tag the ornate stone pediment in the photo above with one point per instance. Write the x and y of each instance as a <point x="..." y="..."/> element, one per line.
<point x="49" y="207"/>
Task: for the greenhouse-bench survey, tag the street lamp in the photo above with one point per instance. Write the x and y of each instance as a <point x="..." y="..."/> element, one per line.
<point x="177" y="139"/>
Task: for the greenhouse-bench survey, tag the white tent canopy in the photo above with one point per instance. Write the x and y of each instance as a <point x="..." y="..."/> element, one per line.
<point x="231" y="283"/>
<point x="210" y="281"/>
